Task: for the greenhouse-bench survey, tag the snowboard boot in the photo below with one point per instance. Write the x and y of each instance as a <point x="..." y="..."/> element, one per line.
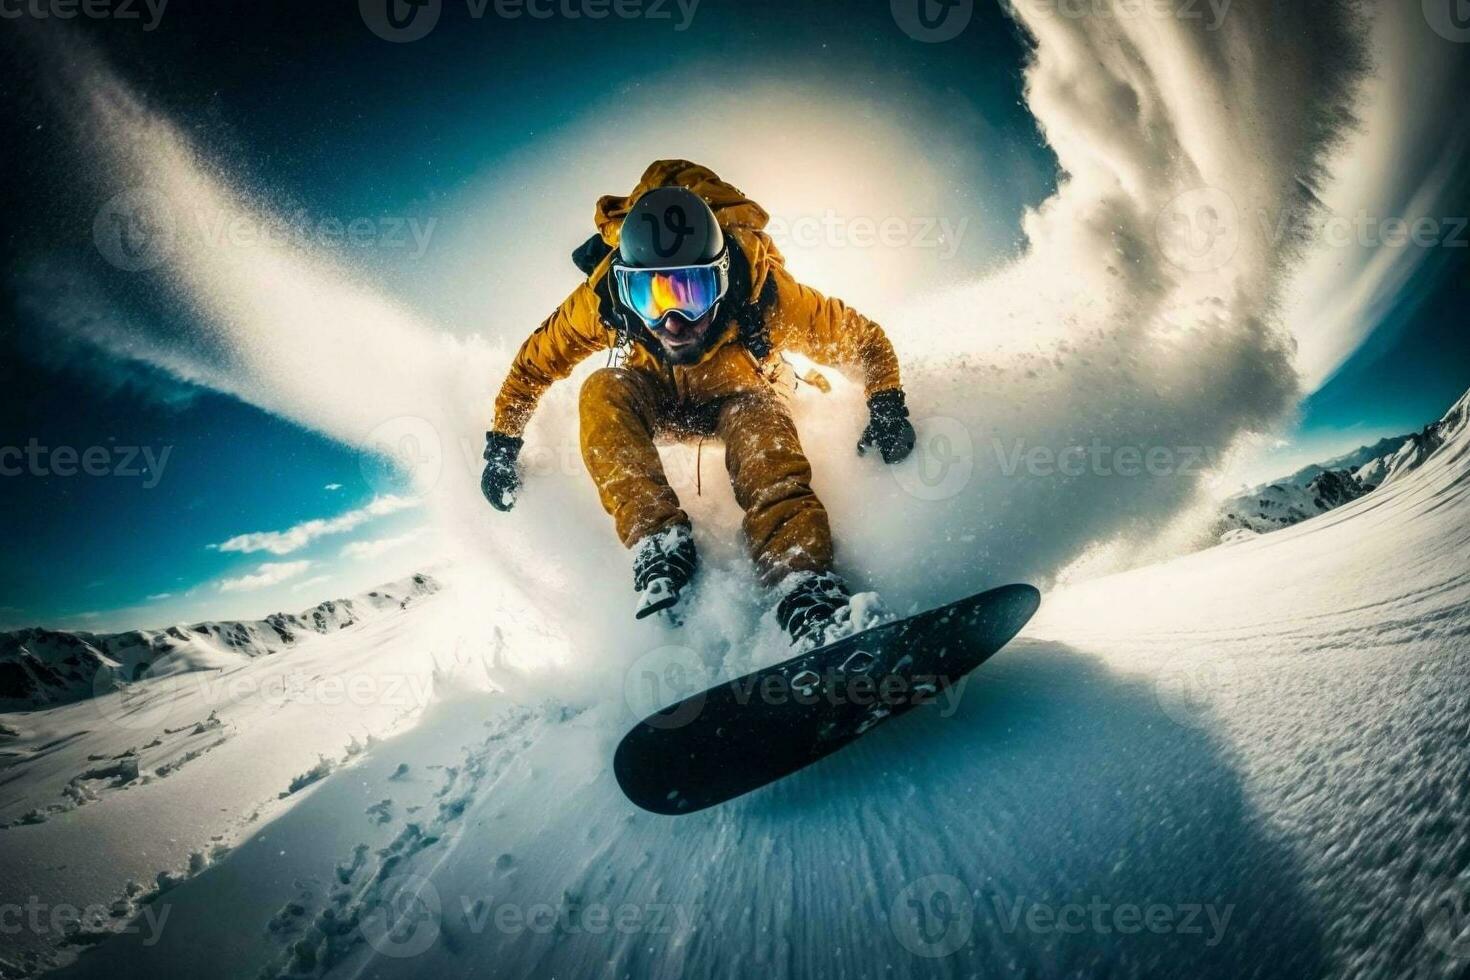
<point x="817" y="608"/>
<point x="811" y="607"/>
<point x="663" y="564"/>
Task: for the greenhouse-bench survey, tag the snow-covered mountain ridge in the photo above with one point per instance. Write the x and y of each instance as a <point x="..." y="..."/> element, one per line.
<point x="1272" y="732"/>
<point x="43" y="667"/>
<point x="1321" y="487"/>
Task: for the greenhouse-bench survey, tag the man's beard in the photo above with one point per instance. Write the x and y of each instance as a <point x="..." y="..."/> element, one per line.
<point x="685" y="356"/>
<point x="691" y="353"/>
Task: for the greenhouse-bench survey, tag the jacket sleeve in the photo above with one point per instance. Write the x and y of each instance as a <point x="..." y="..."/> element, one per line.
<point x="830" y="332"/>
<point x="563" y="340"/>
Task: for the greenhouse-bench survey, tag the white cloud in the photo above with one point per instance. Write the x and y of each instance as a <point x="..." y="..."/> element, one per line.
<point x="360" y="550"/>
<point x="332" y="486"/>
<point x="264" y="576"/>
<point x="1405" y="161"/>
<point x="159" y="596"/>
<point x="299" y="536"/>
<point x="311" y="583"/>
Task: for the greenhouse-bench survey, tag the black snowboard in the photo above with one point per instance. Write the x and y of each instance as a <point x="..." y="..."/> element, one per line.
<point x="742" y="734"/>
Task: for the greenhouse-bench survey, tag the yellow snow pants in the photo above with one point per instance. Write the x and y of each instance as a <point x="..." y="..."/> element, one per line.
<point x="623" y="410"/>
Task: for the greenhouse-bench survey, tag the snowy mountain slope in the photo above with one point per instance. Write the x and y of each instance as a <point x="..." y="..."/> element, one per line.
<point x="100" y="797"/>
<point x="1246" y="762"/>
<point x="1419" y="448"/>
<point x="1321" y="487"/>
<point x="1284" y="504"/>
<point x="1352" y="462"/>
<point x="40" y="667"/>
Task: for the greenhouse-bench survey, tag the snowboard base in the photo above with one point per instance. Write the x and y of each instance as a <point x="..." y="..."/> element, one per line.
<point x="746" y="733"/>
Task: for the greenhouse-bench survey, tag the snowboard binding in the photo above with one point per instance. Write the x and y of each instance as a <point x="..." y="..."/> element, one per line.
<point x="663" y="564"/>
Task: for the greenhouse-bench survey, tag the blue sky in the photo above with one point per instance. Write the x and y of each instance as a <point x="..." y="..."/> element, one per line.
<point x="309" y="111"/>
<point x="1410" y="369"/>
<point x="137" y="537"/>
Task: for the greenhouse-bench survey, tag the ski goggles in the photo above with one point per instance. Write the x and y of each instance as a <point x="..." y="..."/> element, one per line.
<point x="689" y="290"/>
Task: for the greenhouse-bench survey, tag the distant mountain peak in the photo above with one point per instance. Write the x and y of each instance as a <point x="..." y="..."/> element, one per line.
<point x="1320" y="487"/>
<point x="42" y="667"/>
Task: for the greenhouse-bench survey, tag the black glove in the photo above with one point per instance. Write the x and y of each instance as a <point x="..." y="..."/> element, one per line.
<point x="889" y="430"/>
<point x="500" y="481"/>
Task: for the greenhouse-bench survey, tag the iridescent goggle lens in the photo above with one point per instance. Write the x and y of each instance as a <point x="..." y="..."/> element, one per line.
<point x="691" y="290"/>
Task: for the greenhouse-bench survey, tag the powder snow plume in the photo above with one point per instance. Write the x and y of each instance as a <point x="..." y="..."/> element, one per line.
<point x="1138" y="334"/>
<point x="1071" y="400"/>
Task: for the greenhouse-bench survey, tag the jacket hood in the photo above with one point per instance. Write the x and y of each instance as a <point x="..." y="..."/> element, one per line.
<point x="737" y="214"/>
<point x="732" y="208"/>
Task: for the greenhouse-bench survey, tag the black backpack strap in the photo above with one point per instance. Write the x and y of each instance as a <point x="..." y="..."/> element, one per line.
<point x="751" y="317"/>
<point x="587" y="255"/>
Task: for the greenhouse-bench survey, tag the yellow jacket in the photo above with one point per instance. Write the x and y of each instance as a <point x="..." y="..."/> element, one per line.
<point x="778" y="314"/>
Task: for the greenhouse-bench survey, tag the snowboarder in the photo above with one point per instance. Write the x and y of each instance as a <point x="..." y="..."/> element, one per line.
<point x="683" y="282"/>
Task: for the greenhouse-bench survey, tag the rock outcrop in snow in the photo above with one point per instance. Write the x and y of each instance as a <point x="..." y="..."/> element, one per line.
<point x="1321" y="487"/>
<point x="43" y="667"/>
<point x="1283" y="504"/>
<point x="1417" y="449"/>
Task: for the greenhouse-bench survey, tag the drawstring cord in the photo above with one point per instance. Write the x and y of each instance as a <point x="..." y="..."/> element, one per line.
<point x="812" y="377"/>
<point x="698" y="461"/>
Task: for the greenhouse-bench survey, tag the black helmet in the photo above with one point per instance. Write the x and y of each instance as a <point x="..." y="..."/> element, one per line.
<point x="670" y="226"/>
